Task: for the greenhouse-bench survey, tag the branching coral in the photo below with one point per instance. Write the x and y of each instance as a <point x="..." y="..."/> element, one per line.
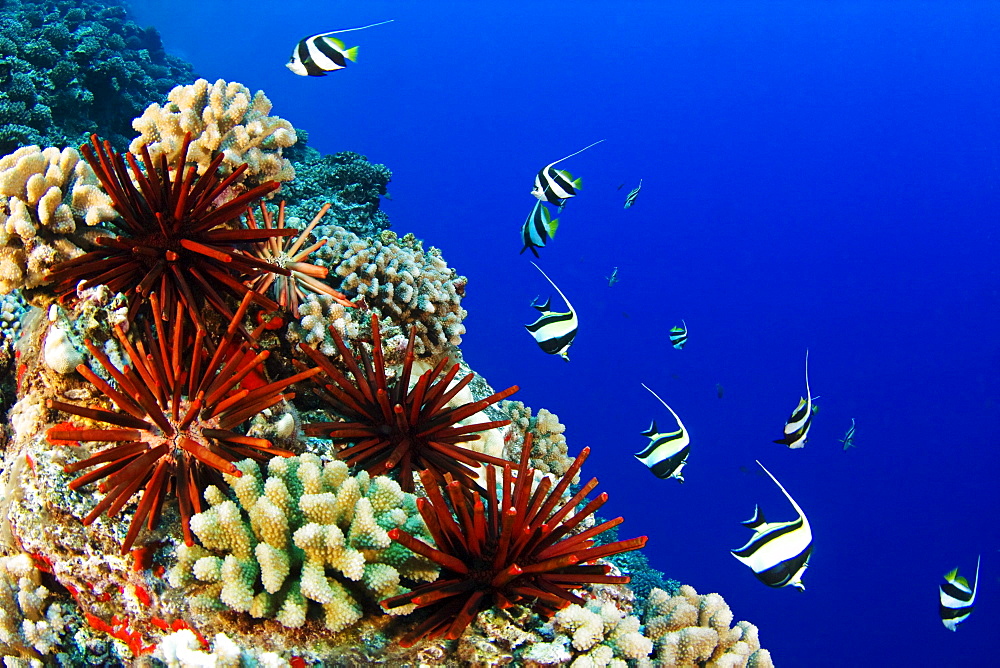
<point x="407" y="285"/>
<point x="48" y="198"/>
<point x="302" y="536"/>
<point x="30" y="621"/>
<point x="393" y="427"/>
<point x="180" y="406"/>
<point x="549" y="449"/>
<point x="288" y="254"/>
<point x="694" y="630"/>
<point x="517" y="547"/>
<point x="170" y="232"/>
<point x="229" y="125"/>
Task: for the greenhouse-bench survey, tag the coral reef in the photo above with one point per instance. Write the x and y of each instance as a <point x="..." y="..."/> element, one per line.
<point x="549" y="452"/>
<point x="72" y="67"/>
<point x="392" y="427"/>
<point x="518" y="546"/>
<point x="347" y="180"/>
<point x="171" y="230"/>
<point x="408" y="286"/>
<point x="176" y="425"/>
<point x="225" y="120"/>
<point x="302" y="536"/>
<point x="48" y="200"/>
<point x="695" y="630"/>
<point x="32" y="623"/>
<point x="289" y="291"/>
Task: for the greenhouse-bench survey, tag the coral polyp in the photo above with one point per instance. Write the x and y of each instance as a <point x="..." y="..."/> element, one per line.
<point x="180" y="407"/>
<point x="522" y="545"/>
<point x="288" y="254"/>
<point x="174" y="234"/>
<point x="393" y="427"/>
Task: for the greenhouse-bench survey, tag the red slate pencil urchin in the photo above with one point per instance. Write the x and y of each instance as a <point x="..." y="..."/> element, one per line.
<point x="180" y="405"/>
<point x="518" y="547"/>
<point x="391" y="427"/>
<point x="288" y="254"/>
<point x="172" y="237"/>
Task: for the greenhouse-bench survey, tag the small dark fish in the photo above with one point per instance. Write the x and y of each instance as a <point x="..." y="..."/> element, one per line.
<point x="848" y="439"/>
<point x="719" y="390"/>
<point x="553" y="331"/>
<point x="620" y="186"/>
<point x="778" y="552"/>
<point x="630" y="198"/>
<point x="797" y="427"/>
<point x="318" y="55"/>
<point x="679" y="335"/>
<point x="957" y="598"/>
<point x="555" y="186"/>
<point x="666" y="453"/>
<point x="613" y="278"/>
<point x="538" y="228"/>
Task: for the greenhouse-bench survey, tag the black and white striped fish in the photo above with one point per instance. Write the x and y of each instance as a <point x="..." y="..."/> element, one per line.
<point x="555" y="186"/>
<point x="797" y="427"/>
<point x="318" y="55"/>
<point x="553" y="331"/>
<point x="630" y="199"/>
<point x="778" y="552"/>
<point x="956" y="598"/>
<point x="666" y="453"/>
<point x="538" y="228"/>
<point x="679" y="335"/>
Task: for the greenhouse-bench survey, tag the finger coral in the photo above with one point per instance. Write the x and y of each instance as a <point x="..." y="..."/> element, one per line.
<point x="521" y="544"/>
<point x="392" y="427"/>
<point x="170" y="232"/>
<point x="310" y="535"/>
<point x="179" y="404"/>
<point x="48" y="200"/>
<point x="228" y="123"/>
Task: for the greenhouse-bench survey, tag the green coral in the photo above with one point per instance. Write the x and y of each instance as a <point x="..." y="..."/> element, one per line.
<point x="310" y="532"/>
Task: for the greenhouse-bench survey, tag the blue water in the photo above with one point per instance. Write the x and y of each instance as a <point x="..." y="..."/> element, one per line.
<point x="815" y="175"/>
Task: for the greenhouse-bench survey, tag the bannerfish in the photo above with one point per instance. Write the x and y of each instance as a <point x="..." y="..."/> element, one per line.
<point x="797" y="426"/>
<point x="555" y="186"/>
<point x="679" y="335"/>
<point x="538" y="228"/>
<point x="613" y="278"/>
<point x="630" y="199"/>
<point x="956" y="598"/>
<point x="848" y="439"/>
<point x="553" y="331"/>
<point x="321" y="54"/>
<point x="778" y="552"/>
<point x="666" y="453"/>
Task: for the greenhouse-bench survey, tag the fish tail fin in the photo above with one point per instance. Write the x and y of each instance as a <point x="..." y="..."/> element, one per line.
<point x="577" y="183"/>
<point x="552" y="227"/>
<point x="352" y="54"/>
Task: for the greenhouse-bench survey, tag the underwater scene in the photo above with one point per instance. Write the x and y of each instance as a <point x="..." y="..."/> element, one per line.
<point x="627" y="334"/>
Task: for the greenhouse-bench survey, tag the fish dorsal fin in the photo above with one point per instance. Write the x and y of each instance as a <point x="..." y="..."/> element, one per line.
<point x="568" y="305"/>
<point x="370" y="25"/>
<point x="808" y="393"/>
<point x="802" y="515"/>
<point x="951" y="575"/>
<point x="577" y="153"/>
<point x="758" y="519"/>
<point x="651" y="432"/>
<point x="975" y="583"/>
<point x="544" y="306"/>
<point x="679" y="423"/>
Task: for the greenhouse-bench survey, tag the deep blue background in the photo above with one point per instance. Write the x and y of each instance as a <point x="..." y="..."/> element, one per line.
<point x="816" y="175"/>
